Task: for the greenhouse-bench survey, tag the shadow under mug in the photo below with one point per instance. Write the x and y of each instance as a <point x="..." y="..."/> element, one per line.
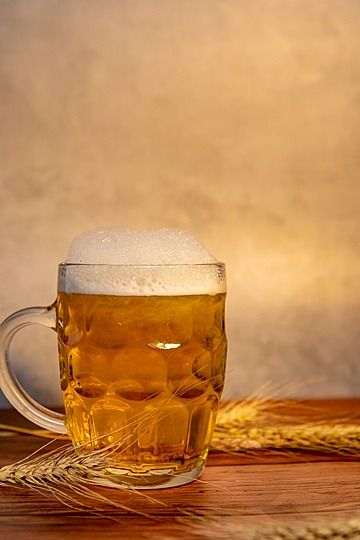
<point x="142" y="352"/>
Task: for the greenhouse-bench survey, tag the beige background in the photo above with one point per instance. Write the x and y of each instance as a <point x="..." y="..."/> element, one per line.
<point x="237" y="119"/>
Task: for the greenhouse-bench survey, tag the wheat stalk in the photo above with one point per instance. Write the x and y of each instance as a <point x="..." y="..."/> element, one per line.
<point x="222" y="529"/>
<point x="256" y="425"/>
<point x="336" y="438"/>
<point x="68" y="477"/>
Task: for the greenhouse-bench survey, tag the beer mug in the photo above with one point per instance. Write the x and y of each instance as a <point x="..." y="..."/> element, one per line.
<point x="142" y="352"/>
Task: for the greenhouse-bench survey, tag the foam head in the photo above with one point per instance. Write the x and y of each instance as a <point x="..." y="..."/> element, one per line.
<point x="131" y="247"/>
<point x="140" y="262"/>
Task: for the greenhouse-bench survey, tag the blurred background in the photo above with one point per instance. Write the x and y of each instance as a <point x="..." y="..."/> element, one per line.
<point x="238" y="120"/>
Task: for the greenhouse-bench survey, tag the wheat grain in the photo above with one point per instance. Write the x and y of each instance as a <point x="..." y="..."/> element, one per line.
<point x="336" y="438"/>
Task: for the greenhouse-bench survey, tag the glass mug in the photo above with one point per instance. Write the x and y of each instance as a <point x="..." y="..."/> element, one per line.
<point x="141" y="374"/>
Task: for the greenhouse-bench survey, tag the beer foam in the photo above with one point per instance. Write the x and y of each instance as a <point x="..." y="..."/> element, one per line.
<point x="140" y="262"/>
<point x="131" y="247"/>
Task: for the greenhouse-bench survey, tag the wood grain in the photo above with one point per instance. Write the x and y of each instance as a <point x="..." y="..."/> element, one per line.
<point x="247" y="490"/>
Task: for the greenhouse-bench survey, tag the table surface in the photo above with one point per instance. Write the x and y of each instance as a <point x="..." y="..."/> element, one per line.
<point x="246" y="490"/>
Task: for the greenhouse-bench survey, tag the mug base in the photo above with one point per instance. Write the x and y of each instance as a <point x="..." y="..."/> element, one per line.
<point x="164" y="476"/>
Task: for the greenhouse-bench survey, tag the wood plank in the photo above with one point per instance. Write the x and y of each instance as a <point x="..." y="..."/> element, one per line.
<point x="309" y="486"/>
<point x="246" y="493"/>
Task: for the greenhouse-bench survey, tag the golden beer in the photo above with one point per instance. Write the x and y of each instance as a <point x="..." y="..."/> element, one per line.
<point x="143" y="374"/>
<point x="139" y="316"/>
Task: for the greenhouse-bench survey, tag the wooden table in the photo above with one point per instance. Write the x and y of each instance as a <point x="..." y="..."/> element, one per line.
<point x="245" y="490"/>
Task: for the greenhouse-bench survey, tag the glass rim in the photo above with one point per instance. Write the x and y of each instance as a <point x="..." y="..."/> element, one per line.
<point x="114" y="265"/>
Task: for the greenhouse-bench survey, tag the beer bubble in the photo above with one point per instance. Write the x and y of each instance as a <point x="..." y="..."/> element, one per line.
<point x="147" y="262"/>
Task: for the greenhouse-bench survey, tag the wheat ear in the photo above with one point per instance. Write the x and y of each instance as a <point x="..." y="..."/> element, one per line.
<point x="256" y="425"/>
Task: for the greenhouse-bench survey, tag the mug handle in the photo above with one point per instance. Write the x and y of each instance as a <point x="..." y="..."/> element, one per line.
<point x="25" y="404"/>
